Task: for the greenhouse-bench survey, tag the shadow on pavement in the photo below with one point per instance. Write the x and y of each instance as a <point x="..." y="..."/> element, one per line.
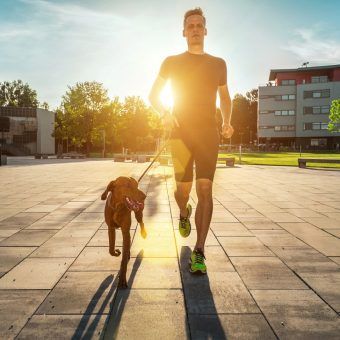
<point x="83" y="324"/>
<point x="204" y="322"/>
<point x="112" y="323"/>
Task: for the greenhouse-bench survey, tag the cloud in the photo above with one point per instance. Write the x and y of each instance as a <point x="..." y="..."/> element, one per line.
<point x="309" y="44"/>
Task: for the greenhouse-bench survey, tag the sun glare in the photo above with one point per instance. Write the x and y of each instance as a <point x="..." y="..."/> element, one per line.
<point x="166" y="96"/>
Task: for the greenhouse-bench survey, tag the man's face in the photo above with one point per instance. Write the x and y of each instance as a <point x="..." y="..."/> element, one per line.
<point x="194" y="30"/>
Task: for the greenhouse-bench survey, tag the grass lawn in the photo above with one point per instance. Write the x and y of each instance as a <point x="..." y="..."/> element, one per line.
<point x="282" y="158"/>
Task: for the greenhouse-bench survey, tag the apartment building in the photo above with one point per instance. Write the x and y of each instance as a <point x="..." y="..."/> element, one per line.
<point x="26" y="131"/>
<point x="294" y="107"/>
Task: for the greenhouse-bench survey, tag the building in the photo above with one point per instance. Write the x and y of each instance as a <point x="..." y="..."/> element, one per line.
<point x="294" y="107"/>
<point x="26" y="131"/>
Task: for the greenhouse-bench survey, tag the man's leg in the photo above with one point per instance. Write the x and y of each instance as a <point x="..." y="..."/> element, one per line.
<point x="204" y="211"/>
<point x="181" y="194"/>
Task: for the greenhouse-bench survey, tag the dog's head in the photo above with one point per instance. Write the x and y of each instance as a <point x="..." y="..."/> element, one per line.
<point x="125" y="191"/>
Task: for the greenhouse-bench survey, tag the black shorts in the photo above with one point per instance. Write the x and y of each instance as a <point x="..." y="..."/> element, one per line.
<point x="194" y="146"/>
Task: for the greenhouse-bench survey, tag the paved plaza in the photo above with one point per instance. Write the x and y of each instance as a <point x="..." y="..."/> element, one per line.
<point x="273" y="255"/>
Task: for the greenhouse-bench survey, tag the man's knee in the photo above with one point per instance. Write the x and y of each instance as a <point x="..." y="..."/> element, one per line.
<point x="183" y="189"/>
<point x="204" y="189"/>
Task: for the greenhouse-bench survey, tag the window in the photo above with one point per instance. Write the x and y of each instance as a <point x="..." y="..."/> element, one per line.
<point x="317" y="94"/>
<point x="286" y="97"/>
<point x="266" y="127"/>
<point x="320" y="79"/>
<point x="284" y="112"/>
<point x="288" y="82"/>
<point x="315" y="126"/>
<point x="284" y="128"/>
<point x="264" y="112"/>
<point x="316" y="109"/>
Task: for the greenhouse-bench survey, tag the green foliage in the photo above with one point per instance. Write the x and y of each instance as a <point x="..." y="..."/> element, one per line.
<point x="244" y="117"/>
<point x="17" y="94"/>
<point x="334" y="117"/>
<point x="86" y="115"/>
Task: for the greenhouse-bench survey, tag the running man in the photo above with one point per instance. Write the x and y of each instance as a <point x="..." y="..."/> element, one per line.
<point x="195" y="77"/>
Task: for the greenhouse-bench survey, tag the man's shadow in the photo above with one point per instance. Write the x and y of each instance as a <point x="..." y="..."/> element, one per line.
<point x="117" y="306"/>
<point x="204" y="322"/>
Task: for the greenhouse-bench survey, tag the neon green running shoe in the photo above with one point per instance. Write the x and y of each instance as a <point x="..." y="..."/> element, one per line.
<point x="197" y="264"/>
<point x="184" y="223"/>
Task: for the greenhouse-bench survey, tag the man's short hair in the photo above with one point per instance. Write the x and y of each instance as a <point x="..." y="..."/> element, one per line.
<point x="195" y="11"/>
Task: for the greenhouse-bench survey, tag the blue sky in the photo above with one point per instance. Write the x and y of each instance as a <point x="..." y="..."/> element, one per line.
<point x="53" y="44"/>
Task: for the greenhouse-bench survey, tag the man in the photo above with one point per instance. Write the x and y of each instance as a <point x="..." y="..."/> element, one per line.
<point x="196" y="77"/>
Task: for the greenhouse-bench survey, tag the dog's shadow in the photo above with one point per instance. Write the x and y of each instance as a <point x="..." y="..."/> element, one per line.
<point x="113" y="320"/>
<point x="85" y="328"/>
<point x="204" y="322"/>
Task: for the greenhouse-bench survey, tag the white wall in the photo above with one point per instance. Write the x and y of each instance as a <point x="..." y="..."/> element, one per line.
<point x="45" y="141"/>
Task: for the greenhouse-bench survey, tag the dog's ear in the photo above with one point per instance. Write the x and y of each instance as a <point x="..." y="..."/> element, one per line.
<point x="110" y="187"/>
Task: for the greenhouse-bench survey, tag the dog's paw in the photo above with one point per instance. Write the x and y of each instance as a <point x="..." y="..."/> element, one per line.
<point x="114" y="252"/>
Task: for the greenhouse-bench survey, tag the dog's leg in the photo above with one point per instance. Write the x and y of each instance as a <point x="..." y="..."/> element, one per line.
<point x="122" y="283"/>
<point x="112" y="240"/>
<point x="139" y="218"/>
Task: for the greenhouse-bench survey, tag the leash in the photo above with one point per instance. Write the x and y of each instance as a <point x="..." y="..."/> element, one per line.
<point x="153" y="161"/>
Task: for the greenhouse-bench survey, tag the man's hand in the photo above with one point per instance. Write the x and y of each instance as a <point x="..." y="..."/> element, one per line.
<point x="227" y="130"/>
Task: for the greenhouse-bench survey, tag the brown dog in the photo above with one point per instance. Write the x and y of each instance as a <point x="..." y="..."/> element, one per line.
<point x="124" y="197"/>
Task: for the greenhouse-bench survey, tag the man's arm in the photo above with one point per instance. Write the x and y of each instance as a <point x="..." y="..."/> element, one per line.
<point x="225" y="105"/>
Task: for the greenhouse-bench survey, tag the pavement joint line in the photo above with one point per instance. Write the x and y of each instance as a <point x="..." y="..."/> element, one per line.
<point x="50" y="290"/>
<point x="178" y="261"/>
<point x="246" y="286"/>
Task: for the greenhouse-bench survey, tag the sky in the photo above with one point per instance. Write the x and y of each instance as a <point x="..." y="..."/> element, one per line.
<point x="55" y="44"/>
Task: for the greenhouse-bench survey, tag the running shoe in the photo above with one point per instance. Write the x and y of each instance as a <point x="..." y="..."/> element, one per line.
<point x="197" y="264"/>
<point x="184" y="223"/>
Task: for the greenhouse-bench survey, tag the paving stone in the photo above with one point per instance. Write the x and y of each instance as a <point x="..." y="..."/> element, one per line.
<point x="261" y="225"/>
<point x="157" y="244"/>
<point x="11" y="256"/>
<point x="298" y="314"/>
<point x="63" y="327"/>
<point x="154" y="273"/>
<point x="81" y="293"/>
<point x="335" y="232"/>
<point x="22" y="219"/>
<point x="96" y="259"/>
<point x="266" y="273"/>
<point x="101" y="238"/>
<point x="191" y="239"/>
<point x="323" y="222"/>
<point x="229" y="229"/>
<point x="230" y="326"/>
<point x="16" y="308"/>
<point x="77" y="205"/>
<point x="214" y="293"/>
<point x="304" y="259"/>
<point x="89" y="217"/>
<point x="28" y="238"/>
<point x="336" y="259"/>
<point x="277" y="238"/>
<point x="326" y="285"/>
<point x="304" y="213"/>
<point x="43" y="208"/>
<point x="4" y="233"/>
<point x="244" y="246"/>
<point x="135" y="310"/>
<point x="39" y="273"/>
<point x="282" y="217"/>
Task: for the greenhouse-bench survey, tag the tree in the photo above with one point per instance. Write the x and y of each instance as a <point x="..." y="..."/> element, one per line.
<point x="334" y="117"/>
<point x="17" y="94"/>
<point x="82" y="105"/>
